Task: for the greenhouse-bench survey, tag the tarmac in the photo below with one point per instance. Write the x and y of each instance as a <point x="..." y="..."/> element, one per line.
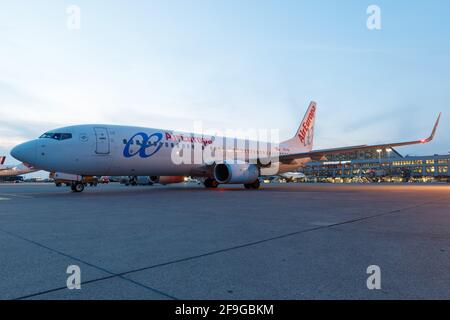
<point x="285" y="241"/>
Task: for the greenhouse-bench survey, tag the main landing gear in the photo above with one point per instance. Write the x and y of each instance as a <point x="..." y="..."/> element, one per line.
<point x="211" y="183"/>
<point x="255" y="185"/>
<point x="77" y="186"/>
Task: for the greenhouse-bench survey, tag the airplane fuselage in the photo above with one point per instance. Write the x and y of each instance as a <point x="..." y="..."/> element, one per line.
<point x="16" y="170"/>
<point x="126" y="150"/>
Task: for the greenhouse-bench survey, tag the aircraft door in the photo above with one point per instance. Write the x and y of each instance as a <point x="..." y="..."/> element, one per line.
<point x="102" y="141"/>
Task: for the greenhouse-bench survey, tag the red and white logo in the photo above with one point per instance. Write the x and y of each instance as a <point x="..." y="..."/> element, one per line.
<point x="307" y="129"/>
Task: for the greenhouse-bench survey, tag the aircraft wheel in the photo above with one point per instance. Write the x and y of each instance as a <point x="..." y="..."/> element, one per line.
<point x="78" y="187"/>
<point x="255" y="185"/>
<point x="211" y="183"/>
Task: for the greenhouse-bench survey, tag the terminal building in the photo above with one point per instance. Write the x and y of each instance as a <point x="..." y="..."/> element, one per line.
<point x="378" y="165"/>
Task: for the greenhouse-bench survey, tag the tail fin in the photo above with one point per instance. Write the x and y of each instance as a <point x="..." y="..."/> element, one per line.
<point x="304" y="138"/>
<point x="2" y="160"/>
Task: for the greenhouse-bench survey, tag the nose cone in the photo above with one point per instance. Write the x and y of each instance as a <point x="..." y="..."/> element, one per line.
<point x="25" y="152"/>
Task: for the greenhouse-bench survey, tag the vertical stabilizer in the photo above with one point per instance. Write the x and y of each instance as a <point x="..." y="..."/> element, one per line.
<point x="304" y="138"/>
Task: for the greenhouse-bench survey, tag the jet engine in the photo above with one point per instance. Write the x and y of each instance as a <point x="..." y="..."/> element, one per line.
<point x="166" y="179"/>
<point x="236" y="173"/>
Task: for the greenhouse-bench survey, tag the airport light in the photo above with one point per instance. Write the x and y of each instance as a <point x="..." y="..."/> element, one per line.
<point x="389" y="150"/>
<point x="379" y="156"/>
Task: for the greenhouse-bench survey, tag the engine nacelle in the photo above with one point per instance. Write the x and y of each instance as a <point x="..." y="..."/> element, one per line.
<point x="236" y="173"/>
<point x="166" y="179"/>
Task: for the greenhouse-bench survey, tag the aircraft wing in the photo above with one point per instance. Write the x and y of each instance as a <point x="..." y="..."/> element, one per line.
<point x="318" y="154"/>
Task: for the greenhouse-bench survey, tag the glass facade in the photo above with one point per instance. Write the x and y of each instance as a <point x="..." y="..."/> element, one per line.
<point x="379" y="165"/>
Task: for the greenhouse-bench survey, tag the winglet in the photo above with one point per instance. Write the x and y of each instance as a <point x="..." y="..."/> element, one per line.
<point x="433" y="133"/>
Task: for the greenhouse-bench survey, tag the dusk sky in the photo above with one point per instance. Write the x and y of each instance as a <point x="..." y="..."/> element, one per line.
<point x="231" y="64"/>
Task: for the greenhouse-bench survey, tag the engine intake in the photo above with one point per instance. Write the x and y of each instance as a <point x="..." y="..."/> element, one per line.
<point x="225" y="173"/>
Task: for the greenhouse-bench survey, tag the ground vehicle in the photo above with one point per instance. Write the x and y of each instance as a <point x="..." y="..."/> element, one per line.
<point x="104" y="180"/>
<point x="76" y="182"/>
<point x="140" y="181"/>
<point x="136" y="181"/>
<point x="191" y="180"/>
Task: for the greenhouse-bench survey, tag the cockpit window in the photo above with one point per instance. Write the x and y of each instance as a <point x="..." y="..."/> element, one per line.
<point x="47" y="135"/>
<point x="56" y="136"/>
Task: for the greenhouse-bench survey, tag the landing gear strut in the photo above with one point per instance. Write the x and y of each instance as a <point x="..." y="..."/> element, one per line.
<point x="255" y="185"/>
<point x="77" y="187"/>
<point x="210" y="183"/>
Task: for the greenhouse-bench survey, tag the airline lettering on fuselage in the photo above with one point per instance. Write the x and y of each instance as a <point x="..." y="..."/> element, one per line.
<point x="152" y="141"/>
<point x="191" y="139"/>
<point x="306" y="126"/>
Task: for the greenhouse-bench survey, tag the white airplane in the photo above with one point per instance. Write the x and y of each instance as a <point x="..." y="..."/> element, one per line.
<point x="16" y="170"/>
<point x="103" y="150"/>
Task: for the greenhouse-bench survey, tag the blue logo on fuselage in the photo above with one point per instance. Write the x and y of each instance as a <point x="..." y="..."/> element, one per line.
<point x="152" y="142"/>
